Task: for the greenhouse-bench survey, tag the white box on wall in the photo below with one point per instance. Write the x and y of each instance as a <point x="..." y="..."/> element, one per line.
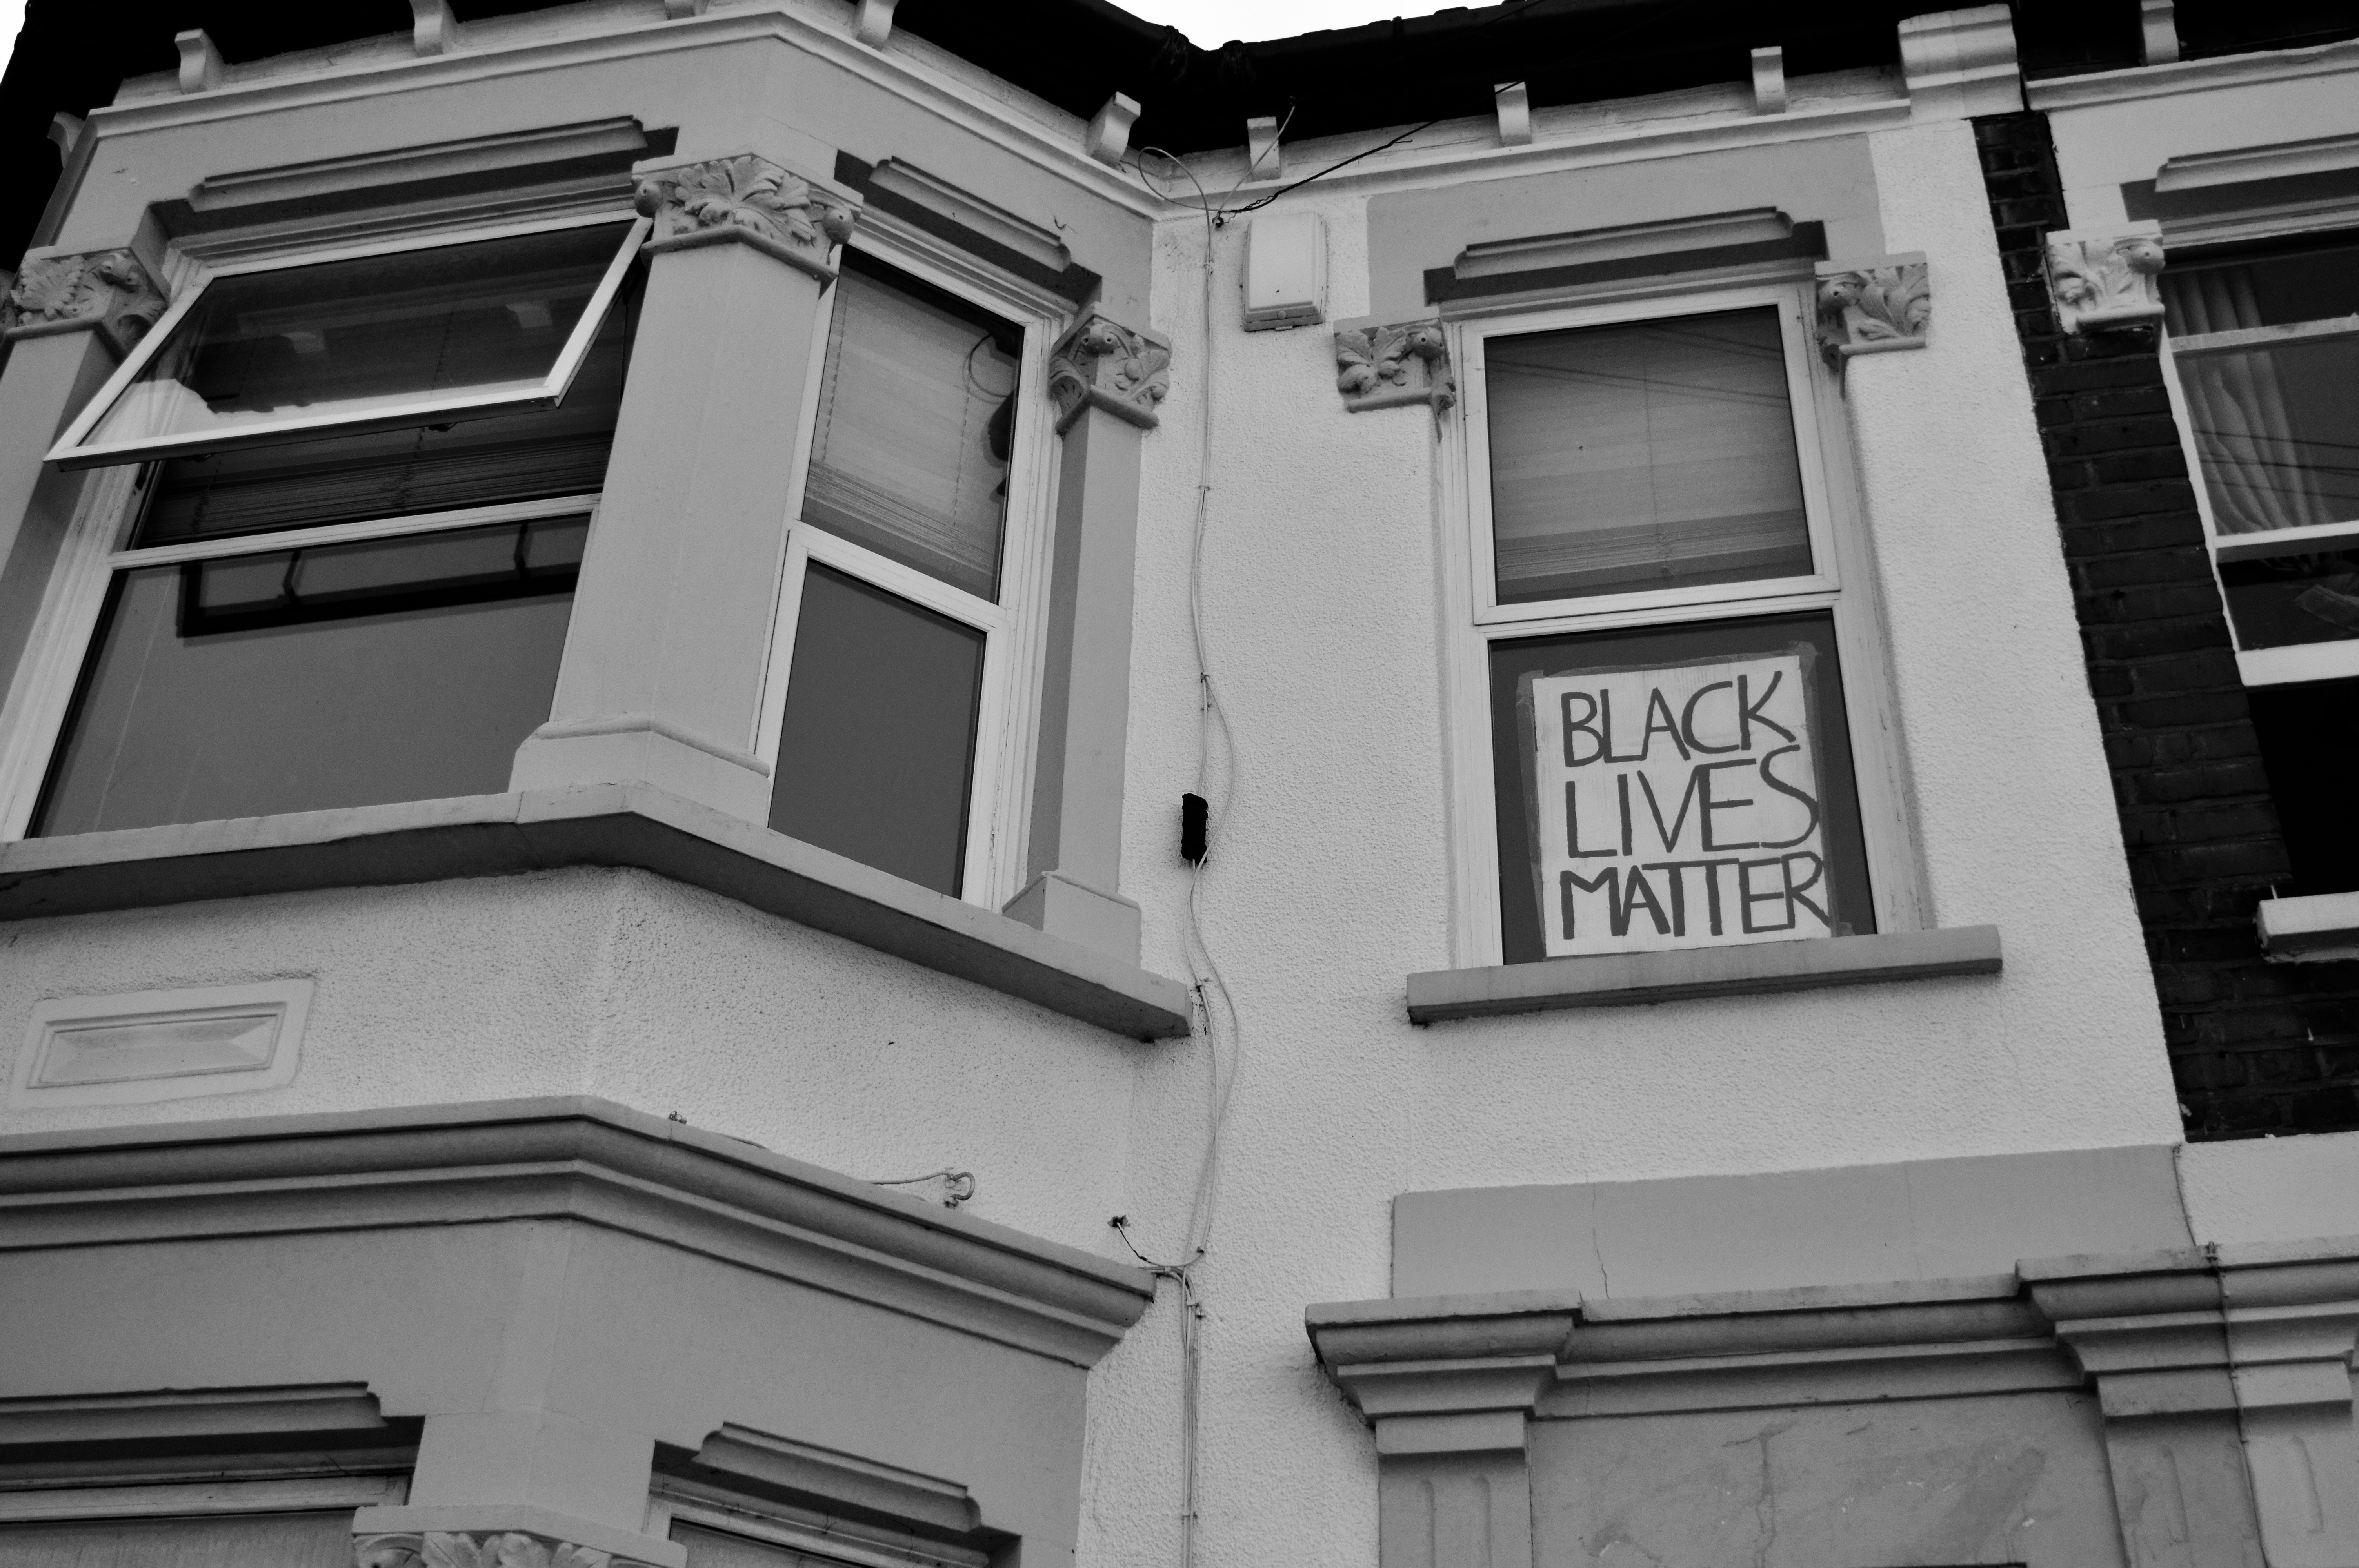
<point x="142" y="1046"/>
<point x="1286" y="271"/>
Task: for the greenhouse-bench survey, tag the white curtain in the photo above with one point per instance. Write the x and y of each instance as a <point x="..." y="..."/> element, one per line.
<point x="2254" y="468"/>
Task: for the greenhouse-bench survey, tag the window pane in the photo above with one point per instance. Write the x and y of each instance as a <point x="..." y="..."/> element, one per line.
<point x="363" y="336"/>
<point x="257" y="1540"/>
<point x="1658" y="454"/>
<point x="394" y="474"/>
<point x="1675" y="788"/>
<point x="2298" y="284"/>
<point x="917" y="406"/>
<point x="715" y="1549"/>
<point x="2277" y="602"/>
<point x="878" y="750"/>
<point x="397" y="669"/>
<point x="2309" y="744"/>
<point x="2278" y="431"/>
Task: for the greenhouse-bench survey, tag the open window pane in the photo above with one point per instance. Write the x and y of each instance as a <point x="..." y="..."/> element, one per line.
<point x="450" y="329"/>
<point x="257" y="1541"/>
<point x="2275" y="424"/>
<point x="916" y="411"/>
<point x="1657" y="454"/>
<point x="394" y="669"/>
<point x="1675" y="787"/>
<point x="2310" y="744"/>
<point x="876" y="752"/>
<point x="394" y="474"/>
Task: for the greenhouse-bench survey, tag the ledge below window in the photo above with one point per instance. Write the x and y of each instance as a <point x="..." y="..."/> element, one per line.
<point x="2319" y="928"/>
<point x="1623" y="979"/>
<point x="588" y="824"/>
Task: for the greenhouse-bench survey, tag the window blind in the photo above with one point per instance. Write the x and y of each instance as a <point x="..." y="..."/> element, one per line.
<point x="909" y="451"/>
<point x="1654" y="455"/>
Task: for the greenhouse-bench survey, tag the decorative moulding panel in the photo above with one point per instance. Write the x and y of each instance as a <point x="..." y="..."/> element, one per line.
<point x="1872" y="306"/>
<point x="2105" y="279"/>
<point x="741" y="198"/>
<point x="2282" y="160"/>
<point x="142" y="1046"/>
<point x="512" y="151"/>
<point x="1393" y="365"/>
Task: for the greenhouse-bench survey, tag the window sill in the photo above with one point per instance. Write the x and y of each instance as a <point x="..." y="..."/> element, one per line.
<point x="1625" y="979"/>
<point x="588" y="824"/>
<point x="2320" y="928"/>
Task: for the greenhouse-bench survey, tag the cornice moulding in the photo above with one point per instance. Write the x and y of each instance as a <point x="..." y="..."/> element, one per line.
<point x="2280" y="160"/>
<point x="568" y="1159"/>
<point x="2136" y="82"/>
<point x="907" y="72"/>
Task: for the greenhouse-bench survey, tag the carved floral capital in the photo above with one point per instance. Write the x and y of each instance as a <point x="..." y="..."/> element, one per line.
<point x="745" y="199"/>
<point x="1393" y="366"/>
<point x="483" y="1549"/>
<point x="1873" y="307"/>
<point x="2104" y="280"/>
<point x="107" y="292"/>
<point x="1101" y="363"/>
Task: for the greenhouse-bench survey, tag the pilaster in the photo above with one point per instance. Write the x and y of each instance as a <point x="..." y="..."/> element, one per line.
<point x="663" y="671"/>
<point x="1106" y="380"/>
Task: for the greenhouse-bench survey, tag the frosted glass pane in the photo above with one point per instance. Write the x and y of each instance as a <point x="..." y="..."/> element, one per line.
<point x="253" y="1540"/>
<point x="360" y="337"/>
<point x="909" y="454"/>
<point x="1658" y="454"/>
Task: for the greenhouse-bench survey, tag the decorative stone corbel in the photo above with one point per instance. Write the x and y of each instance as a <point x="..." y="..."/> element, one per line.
<point x="1101" y="363"/>
<point x="1770" y="79"/>
<point x="107" y="292"/>
<point x="432" y="28"/>
<point x="745" y="199"/>
<point x="1108" y="139"/>
<point x="488" y="1549"/>
<point x="1512" y="101"/>
<point x="1393" y="366"/>
<point x="2107" y="279"/>
<point x="201" y="63"/>
<point x="1872" y="306"/>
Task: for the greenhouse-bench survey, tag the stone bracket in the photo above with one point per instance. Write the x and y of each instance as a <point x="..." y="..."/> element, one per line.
<point x="1872" y="306"/>
<point x="743" y="198"/>
<point x="1394" y="365"/>
<point x="1101" y="363"/>
<point x="2100" y="280"/>
<point x="110" y="292"/>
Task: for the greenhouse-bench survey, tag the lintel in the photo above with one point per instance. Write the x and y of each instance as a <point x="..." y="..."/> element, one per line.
<point x="587" y="824"/>
<point x="1623" y="979"/>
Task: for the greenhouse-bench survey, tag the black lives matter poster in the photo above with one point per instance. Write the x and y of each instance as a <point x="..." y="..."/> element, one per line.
<point x="1677" y="807"/>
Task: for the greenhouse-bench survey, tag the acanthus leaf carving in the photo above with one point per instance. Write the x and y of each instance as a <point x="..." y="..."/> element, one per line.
<point x="2104" y="280"/>
<point x="481" y="1548"/>
<point x="108" y="292"/>
<point x="743" y="197"/>
<point x="1101" y="363"/>
<point x="1871" y="308"/>
<point x="1393" y="366"/>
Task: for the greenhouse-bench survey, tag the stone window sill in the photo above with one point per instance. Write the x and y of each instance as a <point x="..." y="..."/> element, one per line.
<point x="1625" y="979"/>
<point x="587" y="824"/>
<point x="2320" y="928"/>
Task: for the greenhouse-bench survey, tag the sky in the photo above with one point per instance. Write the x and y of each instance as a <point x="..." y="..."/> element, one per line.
<point x="1208" y="23"/>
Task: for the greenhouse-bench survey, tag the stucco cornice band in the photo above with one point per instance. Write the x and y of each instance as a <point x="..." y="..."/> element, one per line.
<point x="576" y="1159"/>
<point x="588" y="824"/>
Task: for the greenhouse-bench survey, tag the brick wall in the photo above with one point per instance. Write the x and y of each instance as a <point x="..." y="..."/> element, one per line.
<point x="2255" y="1047"/>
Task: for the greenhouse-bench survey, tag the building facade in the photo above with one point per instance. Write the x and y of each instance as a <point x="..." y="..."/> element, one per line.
<point x="782" y="783"/>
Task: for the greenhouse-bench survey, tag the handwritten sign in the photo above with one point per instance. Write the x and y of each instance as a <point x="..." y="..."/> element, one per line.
<point x="1678" y="807"/>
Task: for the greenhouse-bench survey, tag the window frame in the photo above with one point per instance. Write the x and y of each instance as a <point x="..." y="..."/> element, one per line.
<point x="1841" y="585"/>
<point x="68" y="452"/>
<point x="98" y="540"/>
<point x="1006" y="720"/>
<point x="2299" y="664"/>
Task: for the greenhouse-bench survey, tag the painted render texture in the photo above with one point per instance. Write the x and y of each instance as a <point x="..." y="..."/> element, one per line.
<point x="1929" y="1155"/>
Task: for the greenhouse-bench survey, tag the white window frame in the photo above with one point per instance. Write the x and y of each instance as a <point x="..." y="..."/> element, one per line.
<point x="70" y="453"/>
<point x="1841" y="583"/>
<point x="98" y="541"/>
<point x="1006" y="718"/>
<point x="2305" y="662"/>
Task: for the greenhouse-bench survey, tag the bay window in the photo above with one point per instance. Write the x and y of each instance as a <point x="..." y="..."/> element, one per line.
<point x="331" y="558"/>
<point x="1658" y="688"/>
<point x="2263" y="343"/>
